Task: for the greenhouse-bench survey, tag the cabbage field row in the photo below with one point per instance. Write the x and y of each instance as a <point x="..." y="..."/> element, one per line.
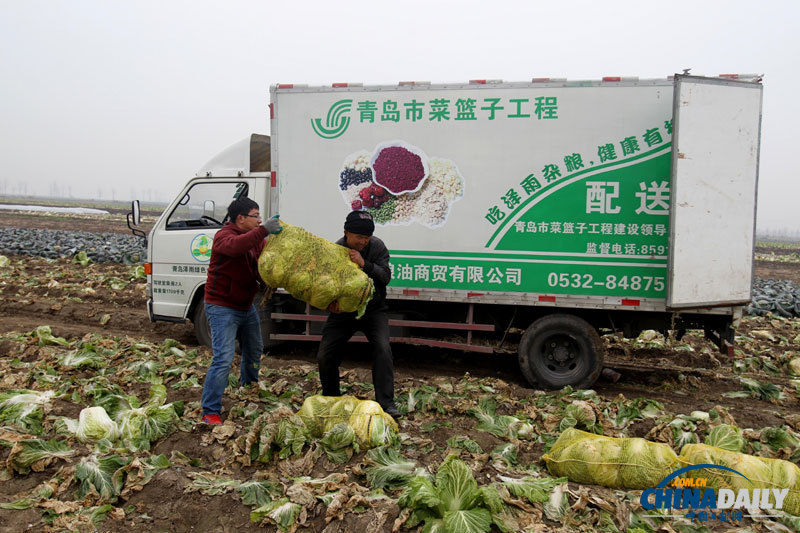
<point x="99" y="425"/>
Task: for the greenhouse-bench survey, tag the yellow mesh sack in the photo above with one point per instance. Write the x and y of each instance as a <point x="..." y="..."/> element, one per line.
<point x="630" y="463"/>
<point x="368" y="421"/>
<point x="314" y="270"/>
<point x="761" y="472"/>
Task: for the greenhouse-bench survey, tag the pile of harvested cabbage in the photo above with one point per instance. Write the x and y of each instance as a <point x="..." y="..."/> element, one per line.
<point x="616" y="463"/>
<point x="372" y="426"/>
<point x="756" y="472"/>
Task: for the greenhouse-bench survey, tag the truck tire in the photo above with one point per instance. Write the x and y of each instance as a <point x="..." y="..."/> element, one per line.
<point x="559" y="350"/>
<point x="203" y="332"/>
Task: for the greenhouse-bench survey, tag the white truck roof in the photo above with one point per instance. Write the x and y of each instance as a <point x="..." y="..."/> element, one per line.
<point x="245" y="157"/>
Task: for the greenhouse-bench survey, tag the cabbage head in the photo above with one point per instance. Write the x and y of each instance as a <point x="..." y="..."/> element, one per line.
<point x="794" y="366"/>
<point x="371" y="425"/>
<point x="340" y="411"/>
<point x="727" y="437"/>
<point x="314" y="413"/>
<point x="142" y="425"/>
<point x="94" y="424"/>
<point x="323" y="292"/>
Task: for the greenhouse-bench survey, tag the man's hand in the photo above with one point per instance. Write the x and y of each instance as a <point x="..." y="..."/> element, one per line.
<point x="273" y="225"/>
<point x="334" y="307"/>
<point x="355" y="257"/>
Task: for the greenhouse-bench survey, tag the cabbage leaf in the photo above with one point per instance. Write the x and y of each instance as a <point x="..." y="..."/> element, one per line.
<point x="452" y="503"/>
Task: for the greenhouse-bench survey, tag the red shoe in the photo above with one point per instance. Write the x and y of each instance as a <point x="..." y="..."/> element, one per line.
<point x="212" y="420"/>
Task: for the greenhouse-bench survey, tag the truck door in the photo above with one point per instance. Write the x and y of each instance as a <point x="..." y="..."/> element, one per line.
<point x="716" y="135"/>
<point x="182" y="242"/>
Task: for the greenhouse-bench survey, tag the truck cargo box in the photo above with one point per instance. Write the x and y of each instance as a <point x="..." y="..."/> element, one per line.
<point x="606" y="194"/>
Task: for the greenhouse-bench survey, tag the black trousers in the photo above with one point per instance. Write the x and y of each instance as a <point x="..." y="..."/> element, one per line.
<point x="335" y="334"/>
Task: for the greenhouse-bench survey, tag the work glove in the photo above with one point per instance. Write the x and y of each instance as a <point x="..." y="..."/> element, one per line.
<point x="273" y="225"/>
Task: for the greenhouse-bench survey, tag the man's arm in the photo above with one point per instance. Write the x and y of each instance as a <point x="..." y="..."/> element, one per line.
<point x="378" y="269"/>
<point x="234" y="245"/>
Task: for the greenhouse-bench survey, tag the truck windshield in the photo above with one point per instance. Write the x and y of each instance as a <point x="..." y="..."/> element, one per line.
<point x="205" y="204"/>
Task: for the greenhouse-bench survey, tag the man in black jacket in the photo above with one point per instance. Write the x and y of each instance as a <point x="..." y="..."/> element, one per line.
<point x="371" y="255"/>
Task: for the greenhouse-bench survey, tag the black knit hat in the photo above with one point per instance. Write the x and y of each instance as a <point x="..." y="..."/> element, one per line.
<point x="359" y="222"/>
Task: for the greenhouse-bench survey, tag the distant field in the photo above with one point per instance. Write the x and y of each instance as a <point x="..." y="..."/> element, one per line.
<point x="111" y="206"/>
<point x="779" y="242"/>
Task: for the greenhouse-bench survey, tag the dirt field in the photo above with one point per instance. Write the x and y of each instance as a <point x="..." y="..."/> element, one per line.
<point x="106" y="301"/>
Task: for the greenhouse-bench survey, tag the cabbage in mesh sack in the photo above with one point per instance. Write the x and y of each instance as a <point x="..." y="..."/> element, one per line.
<point x="314" y="412"/>
<point x="372" y="426"/>
<point x="314" y="270"/>
<point x="761" y="472"/>
<point x="616" y="463"/>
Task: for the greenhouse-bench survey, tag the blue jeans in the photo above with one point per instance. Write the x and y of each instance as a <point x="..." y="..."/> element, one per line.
<point x="227" y="325"/>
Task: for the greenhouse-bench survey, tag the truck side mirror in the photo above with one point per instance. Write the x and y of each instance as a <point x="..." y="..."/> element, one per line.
<point x="136" y="213"/>
<point x="208" y="208"/>
<point x="134" y="218"/>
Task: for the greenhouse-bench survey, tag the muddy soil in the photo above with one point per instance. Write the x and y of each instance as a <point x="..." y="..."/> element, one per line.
<point x="75" y="301"/>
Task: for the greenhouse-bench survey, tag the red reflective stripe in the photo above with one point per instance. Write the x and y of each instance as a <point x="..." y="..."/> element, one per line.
<point x="612" y="78"/>
<point x="732" y="76"/>
<point x="339" y="85"/>
<point x="410" y="292"/>
<point x="479" y="82"/>
<point x="547" y="298"/>
<point x="148" y="269"/>
<point x="285" y="85"/>
<point x="273" y="178"/>
<point x="271" y="112"/>
<point x="626" y="301"/>
<point x="535" y="80"/>
<point x="471" y="294"/>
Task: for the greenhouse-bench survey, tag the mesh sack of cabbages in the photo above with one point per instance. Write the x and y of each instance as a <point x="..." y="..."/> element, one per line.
<point x="630" y="463"/>
<point x="314" y="270"/>
<point x="756" y="473"/>
<point x="371" y="425"/>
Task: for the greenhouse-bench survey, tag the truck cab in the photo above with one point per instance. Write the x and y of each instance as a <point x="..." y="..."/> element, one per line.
<point x="179" y="244"/>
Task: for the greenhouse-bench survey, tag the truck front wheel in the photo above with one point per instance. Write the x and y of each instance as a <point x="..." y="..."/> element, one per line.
<point x="202" y="331"/>
<point x="560" y="350"/>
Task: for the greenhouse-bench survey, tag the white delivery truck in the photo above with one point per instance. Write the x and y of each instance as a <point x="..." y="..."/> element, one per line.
<point x="553" y="208"/>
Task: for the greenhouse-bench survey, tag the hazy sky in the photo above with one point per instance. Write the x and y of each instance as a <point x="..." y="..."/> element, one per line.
<point x="124" y="98"/>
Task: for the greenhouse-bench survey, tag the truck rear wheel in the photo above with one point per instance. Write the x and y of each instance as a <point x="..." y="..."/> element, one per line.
<point x="559" y="350"/>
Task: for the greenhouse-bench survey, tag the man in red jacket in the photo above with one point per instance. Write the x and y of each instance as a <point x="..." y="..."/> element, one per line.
<point x="230" y="289"/>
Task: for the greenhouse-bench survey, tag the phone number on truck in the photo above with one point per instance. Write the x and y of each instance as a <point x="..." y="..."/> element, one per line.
<point x="587" y="281"/>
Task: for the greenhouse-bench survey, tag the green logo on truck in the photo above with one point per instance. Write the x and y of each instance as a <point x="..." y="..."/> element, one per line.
<point x="336" y="122"/>
<point x="201" y="247"/>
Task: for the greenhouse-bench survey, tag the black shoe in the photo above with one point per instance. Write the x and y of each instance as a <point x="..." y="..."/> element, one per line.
<point x="392" y="411"/>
